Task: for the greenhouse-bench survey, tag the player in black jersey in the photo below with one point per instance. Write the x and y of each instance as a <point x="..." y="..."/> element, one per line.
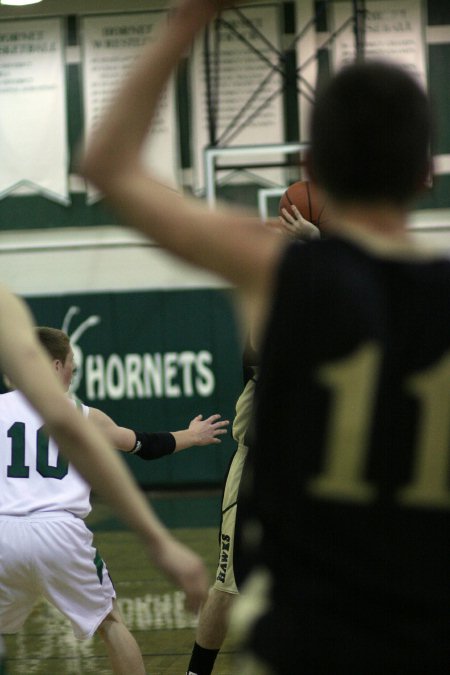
<point x="351" y="451"/>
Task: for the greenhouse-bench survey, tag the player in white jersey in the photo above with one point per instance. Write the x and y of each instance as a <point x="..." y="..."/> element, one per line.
<point x="47" y="482"/>
<point x="45" y="547"/>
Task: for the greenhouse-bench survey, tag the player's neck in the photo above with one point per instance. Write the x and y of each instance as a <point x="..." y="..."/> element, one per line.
<point x="382" y="219"/>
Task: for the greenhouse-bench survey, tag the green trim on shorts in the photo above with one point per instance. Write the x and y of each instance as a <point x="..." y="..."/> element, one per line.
<point x="99" y="564"/>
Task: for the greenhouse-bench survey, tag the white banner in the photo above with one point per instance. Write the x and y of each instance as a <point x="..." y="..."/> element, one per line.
<point x="33" y="118"/>
<point x="307" y="66"/>
<point x="394" y="31"/>
<point x="248" y="93"/>
<point x="110" y="45"/>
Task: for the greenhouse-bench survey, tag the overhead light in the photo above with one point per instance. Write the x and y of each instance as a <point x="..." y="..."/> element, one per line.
<point x="19" y="2"/>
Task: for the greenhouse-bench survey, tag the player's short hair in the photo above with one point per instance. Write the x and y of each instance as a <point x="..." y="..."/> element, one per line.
<point x="56" y="342"/>
<point x="371" y="132"/>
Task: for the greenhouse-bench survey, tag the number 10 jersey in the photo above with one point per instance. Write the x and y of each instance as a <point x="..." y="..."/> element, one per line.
<point x="34" y="475"/>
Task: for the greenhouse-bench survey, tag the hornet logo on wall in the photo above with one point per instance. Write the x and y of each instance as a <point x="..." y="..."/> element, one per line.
<point x="138" y="376"/>
<point x="74" y="337"/>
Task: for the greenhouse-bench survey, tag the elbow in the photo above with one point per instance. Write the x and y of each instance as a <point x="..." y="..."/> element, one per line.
<point x="98" y="160"/>
<point x="92" y="165"/>
<point x="106" y="169"/>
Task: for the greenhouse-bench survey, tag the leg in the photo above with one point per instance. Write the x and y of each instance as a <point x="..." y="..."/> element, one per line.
<point x="211" y="631"/>
<point x="123" y="650"/>
<point x="214" y="619"/>
<point x="214" y="615"/>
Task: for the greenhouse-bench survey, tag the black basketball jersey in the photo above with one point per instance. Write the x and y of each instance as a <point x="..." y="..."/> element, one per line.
<point x="352" y="455"/>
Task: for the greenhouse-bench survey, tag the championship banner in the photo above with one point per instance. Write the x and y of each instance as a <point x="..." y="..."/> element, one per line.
<point x="153" y="360"/>
<point x="394" y="31"/>
<point x="247" y="91"/>
<point x="306" y="62"/>
<point x="110" y="45"/>
<point x="33" y="118"/>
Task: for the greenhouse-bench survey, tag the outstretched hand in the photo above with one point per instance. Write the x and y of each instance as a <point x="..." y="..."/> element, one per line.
<point x="297" y="226"/>
<point x="207" y="431"/>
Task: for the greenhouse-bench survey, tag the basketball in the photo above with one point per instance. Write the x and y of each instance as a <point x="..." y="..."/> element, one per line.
<point x="304" y="196"/>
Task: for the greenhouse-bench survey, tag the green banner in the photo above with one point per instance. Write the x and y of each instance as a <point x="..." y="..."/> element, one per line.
<point x="152" y="360"/>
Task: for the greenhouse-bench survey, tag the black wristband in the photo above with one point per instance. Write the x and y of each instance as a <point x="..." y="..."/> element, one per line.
<point x="154" y="445"/>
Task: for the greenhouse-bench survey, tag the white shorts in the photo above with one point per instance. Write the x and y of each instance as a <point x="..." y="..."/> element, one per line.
<point x="51" y="555"/>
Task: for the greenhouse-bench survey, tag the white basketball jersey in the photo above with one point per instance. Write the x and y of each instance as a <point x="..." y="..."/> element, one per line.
<point x="34" y="475"/>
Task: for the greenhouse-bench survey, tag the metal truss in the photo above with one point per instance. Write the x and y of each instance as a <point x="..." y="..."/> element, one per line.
<point x="248" y="113"/>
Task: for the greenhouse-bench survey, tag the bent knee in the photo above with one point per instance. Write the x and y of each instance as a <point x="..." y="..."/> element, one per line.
<point x="221" y="597"/>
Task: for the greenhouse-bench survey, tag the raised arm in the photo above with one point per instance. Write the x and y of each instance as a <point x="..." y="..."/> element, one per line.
<point x="230" y="243"/>
<point x="151" y="445"/>
<point x="23" y="360"/>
